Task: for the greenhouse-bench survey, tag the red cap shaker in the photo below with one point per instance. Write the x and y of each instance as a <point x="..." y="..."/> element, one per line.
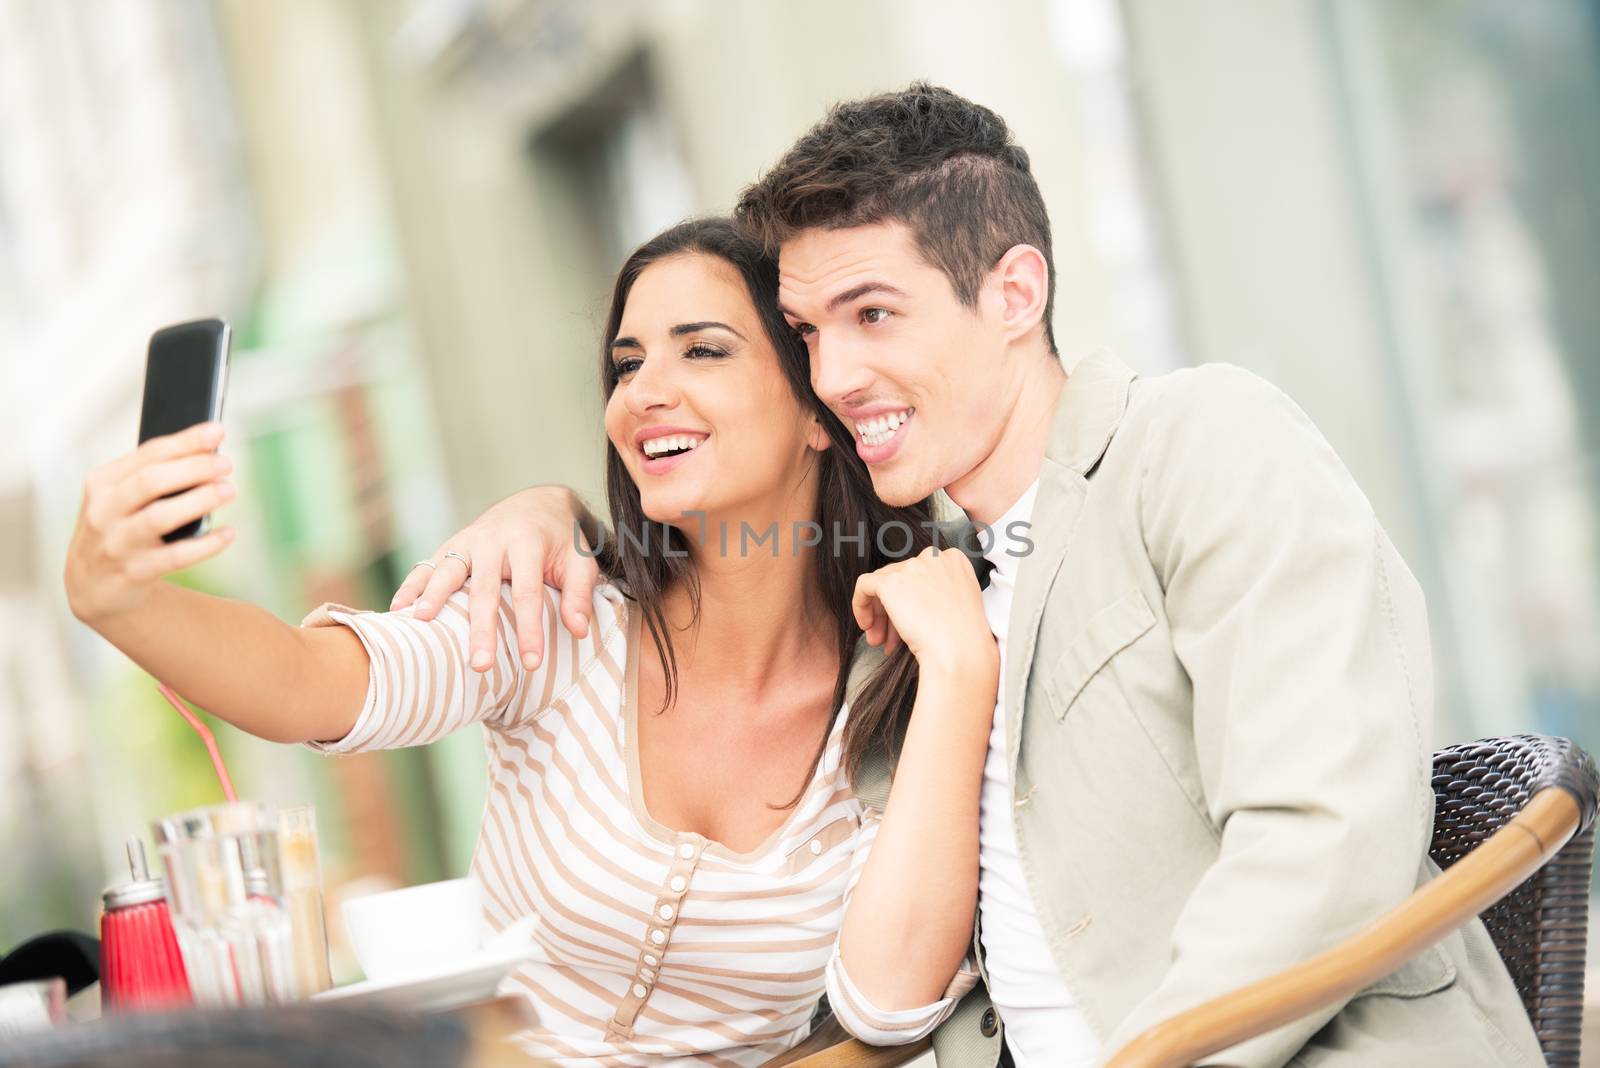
<point x="140" y="965"/>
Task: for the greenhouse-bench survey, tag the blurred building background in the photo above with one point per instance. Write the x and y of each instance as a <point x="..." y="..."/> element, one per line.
<point x="411" y="212"/>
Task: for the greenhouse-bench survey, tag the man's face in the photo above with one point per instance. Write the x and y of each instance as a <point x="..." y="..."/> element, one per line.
<point x="908" y="368"/>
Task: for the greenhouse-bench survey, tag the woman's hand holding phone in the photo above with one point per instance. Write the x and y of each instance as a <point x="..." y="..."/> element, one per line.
<point x="117" y="554"/>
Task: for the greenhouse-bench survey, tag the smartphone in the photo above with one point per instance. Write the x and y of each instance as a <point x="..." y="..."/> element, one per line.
<point x="185" y="376"/>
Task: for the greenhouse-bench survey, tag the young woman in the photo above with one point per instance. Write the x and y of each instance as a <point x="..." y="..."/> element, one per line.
<point x="668" y="793"/>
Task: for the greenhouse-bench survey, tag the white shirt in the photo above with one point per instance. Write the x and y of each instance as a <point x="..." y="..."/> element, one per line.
<point x="1042" y="1023"/>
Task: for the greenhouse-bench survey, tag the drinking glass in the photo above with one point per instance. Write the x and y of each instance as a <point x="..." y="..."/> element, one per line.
<point x="302" y="896"/>
<point x="226" y="896"/>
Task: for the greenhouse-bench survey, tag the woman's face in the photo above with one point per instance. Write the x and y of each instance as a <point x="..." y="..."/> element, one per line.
<point x="702" y="414"/>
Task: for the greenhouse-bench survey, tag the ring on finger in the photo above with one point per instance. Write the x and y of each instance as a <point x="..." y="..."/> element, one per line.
<point x="425" y="563"/>
<point x="458" y="556"/>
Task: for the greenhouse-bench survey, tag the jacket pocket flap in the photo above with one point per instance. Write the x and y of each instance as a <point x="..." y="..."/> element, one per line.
<point x="1425" y="973"/>
<point x="1108" y="632"/>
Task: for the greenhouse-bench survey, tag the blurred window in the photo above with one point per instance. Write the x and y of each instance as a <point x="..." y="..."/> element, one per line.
<point x="1477" y="126"/>
<point x="622" y="160"/>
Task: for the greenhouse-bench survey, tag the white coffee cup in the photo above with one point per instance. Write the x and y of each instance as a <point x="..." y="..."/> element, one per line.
<point x="414" y="929"/>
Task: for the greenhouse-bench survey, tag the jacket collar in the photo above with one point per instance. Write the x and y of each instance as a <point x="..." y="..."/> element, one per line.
<point x="1090" y="409"/>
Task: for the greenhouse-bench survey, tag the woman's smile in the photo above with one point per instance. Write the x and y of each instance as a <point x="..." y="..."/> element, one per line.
<point x="665" y="448"/>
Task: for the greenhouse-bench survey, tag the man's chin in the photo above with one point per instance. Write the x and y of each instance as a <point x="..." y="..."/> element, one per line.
<point x="897" y="489"/>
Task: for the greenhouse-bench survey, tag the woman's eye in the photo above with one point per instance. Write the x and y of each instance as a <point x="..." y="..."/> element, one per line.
<point x="703" y="352"/>
<point x="627" y="365"/>
<point x="870" y="316"/>
<point x="805" y="330"/>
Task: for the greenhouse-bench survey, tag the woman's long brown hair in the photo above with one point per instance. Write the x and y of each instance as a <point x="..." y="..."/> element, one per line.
<point x="850" y="514"/>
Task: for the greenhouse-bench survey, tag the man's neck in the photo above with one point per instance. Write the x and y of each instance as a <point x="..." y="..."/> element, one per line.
<point x="988" y="490"/>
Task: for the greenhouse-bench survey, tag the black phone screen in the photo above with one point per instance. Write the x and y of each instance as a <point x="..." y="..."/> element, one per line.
<point x="184" y="379"/>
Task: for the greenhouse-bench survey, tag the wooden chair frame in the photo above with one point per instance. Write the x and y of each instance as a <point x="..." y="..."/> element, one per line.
<point x="1559" y="783"/>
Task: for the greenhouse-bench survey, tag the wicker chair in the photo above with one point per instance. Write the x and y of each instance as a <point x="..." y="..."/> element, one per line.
<point x="1533" y="895"/>
<point x="1541" y="927"/>
<point x="1505" y="808"/>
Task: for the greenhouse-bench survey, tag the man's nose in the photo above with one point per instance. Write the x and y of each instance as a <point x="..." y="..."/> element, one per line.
<point x="838" y="371"/>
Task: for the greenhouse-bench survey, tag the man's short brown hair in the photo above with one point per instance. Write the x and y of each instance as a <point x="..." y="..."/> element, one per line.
<point x="945" y="167"/>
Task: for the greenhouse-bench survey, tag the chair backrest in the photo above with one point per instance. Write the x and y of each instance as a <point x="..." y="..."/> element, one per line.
<point x="1541" y="927"/>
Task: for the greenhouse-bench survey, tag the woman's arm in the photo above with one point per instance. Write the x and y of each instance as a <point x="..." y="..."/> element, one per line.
<point x="235" y="660"/>
<point x="245" y="665"/>
<point x="909" y="922"/>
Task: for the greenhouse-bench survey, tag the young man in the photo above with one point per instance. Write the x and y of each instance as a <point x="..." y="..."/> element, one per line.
<point x="1209" y="757"/>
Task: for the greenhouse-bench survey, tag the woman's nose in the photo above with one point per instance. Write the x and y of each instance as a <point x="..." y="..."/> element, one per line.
<point x="651" y="389"/>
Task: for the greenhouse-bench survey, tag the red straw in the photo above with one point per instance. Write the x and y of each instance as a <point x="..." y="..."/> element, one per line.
<point x="205" y="736"/>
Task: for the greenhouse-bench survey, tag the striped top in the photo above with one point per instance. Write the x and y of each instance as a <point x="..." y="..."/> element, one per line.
<point x="653" y="944"/>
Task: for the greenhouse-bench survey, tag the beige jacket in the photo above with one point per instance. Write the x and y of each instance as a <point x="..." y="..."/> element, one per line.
<point x="1219" y="705"/>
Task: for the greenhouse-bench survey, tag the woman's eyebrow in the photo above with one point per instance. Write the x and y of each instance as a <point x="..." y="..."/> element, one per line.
<point x="710" y="324"/>
<point x="626" y="343"/>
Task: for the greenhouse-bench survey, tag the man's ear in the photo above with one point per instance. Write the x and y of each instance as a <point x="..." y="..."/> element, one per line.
<point x="1020" y="287"/>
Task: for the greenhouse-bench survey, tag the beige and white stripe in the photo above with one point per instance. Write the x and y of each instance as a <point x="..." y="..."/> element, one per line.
<point x="654" y="944"/>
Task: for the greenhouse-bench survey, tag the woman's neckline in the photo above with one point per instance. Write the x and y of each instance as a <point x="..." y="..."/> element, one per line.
<point x="636" y="795"/>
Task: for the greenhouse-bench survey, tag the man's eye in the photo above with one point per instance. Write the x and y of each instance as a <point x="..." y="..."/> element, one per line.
<point x="627" y="365"/>
<point x="870" y="316"/>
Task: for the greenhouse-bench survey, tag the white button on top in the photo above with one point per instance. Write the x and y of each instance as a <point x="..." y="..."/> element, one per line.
<point x="658" y="937"/>
<point x="686" y="850"/>
<point x="650" y="959"/>
<point x="665" y="912"/>
<point x="816" y="848"/>
<point x="639" y="991"/>
<point x="678" y="883"/>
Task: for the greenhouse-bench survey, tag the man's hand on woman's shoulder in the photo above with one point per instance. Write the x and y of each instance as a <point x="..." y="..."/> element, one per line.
<point x="531" y="539"/>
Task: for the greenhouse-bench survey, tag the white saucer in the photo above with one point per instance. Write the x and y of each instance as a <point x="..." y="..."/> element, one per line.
<point x="446" y="986"/>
